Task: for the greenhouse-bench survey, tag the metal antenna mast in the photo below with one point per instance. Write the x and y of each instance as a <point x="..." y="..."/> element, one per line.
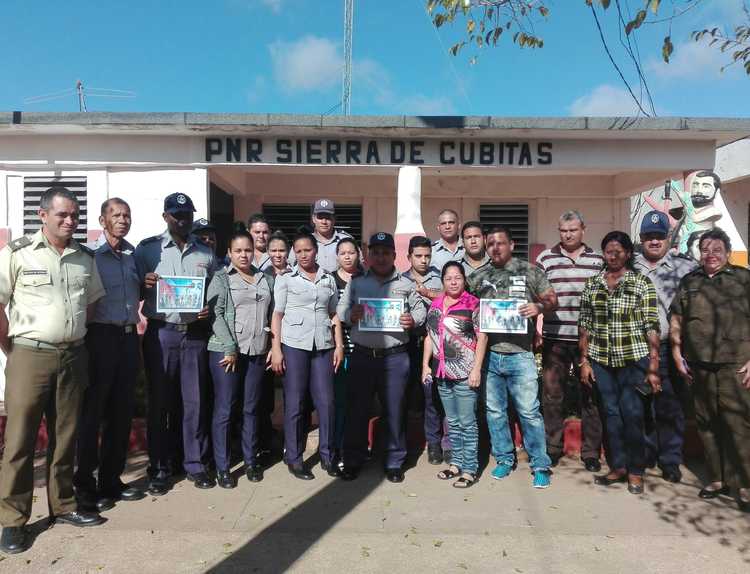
<point x="81" y="97"/>
<point x="346" y="92"/>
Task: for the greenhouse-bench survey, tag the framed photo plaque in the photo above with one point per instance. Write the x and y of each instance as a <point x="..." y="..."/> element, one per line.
<point x="179" y="294"/>
<point x="502" y="316"/>
<point x="381" y="314"/>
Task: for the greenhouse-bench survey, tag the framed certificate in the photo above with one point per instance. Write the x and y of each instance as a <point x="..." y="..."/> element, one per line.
<point x="179" y="294"/>
<point x="502" y="316"/>
<point x="381" y="314"/>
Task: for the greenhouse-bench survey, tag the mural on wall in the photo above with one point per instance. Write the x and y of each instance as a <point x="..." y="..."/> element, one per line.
<point x="693" y="206"/>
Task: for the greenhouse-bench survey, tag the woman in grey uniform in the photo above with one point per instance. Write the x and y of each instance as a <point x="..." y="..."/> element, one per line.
<point x="307" y="348"/>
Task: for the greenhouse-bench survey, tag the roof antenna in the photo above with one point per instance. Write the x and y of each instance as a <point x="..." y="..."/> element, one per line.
<point x="81" y="95"/>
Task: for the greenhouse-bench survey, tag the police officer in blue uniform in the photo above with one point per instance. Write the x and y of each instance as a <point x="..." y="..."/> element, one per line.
<point x="112" y="343"/>
<point x="174" y="352"/>
<point x="380" y="361"/>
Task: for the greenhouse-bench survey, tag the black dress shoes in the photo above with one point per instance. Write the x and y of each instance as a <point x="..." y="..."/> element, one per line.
<point x="105" y="503"/>
<point x="671" y="474"/>
<point x="394" y="475"/>
<point x="635" y="487"/>
<point x="124" y="492"/>
<point x="592" y="464"/>
<point x="254" y="473"/>
<point x="299" y="471"/>
<point x="331" y="468"/>
<point x="201" y="480"/>
<point x="606" y="480"/>
<point x="14" y="539"/>
<point x="225" y="480"/>
<point x="158" y="487"/>
<point x="709" y="493"/>
<point x="80" y="518"/>
<point x="350" y="473"/>
<point x="434" y="454"/>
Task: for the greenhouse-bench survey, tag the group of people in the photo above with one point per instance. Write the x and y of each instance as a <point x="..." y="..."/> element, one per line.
<point x="636" y="329"/>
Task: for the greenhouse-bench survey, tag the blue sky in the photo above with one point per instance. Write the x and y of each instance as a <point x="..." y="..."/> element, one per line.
<point x="285" y="56"/>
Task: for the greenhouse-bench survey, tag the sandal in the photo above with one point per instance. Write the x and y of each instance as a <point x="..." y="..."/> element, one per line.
<point x="464" y="481"/>
<point x="448" y="473"/>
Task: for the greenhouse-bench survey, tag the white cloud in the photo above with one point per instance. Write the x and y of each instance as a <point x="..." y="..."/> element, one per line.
<point x="308" y="64"/>
<point x="689" y="60"/>
<point x="604" y="100"/>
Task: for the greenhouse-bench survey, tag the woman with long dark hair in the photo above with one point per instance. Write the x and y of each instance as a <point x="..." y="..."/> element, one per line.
<point x="619" y="344"/>
<point x="307" y="348"/>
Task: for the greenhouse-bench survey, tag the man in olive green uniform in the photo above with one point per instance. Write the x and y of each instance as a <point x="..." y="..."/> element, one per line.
<point x="48" y="282"/>
<point x="710" y="335"/>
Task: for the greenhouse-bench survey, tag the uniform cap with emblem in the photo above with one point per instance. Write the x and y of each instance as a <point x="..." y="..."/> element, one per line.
<point x="655" y="222"/>
<point x="384" y="239"/>
<point x="177" y="202"/>
<point x="323" y="206"/>
<point x="203" y="224"/>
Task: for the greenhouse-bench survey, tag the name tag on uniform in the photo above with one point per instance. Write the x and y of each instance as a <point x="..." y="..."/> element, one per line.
<point x="517" y="288"/>
<point x="35" y="272"/>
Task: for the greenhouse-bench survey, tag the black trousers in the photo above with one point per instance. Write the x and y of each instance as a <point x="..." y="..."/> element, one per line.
<point x="107" y="406"/>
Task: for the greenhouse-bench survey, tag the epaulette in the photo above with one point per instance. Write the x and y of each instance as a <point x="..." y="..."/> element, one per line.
<point x="684" y="256"/>
<point x="20" y="243"/>
<point x="436" y="242"/>
<point x="86" y="249"/>
<point x="150" y="239"/>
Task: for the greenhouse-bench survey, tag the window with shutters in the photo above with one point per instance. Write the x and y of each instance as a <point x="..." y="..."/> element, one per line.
<point x="288" y="217"/>
<point x="515" y="216"/>
<point x="33" y="187"/>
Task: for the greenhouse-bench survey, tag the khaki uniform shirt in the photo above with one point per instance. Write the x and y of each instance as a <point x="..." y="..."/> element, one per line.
<point x="47" y="293"/>
<point x="715" y="315"/>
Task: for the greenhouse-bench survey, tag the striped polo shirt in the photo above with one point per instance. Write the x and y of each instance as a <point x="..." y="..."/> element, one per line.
<point x="567" y="278"/>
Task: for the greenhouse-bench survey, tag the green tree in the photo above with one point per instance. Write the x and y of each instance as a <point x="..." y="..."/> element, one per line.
<point x="488" y="22"/>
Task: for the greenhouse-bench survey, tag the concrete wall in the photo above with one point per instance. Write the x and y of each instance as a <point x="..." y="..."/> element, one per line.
<point x="547" y="197"/>
<point x="737" y="199"/>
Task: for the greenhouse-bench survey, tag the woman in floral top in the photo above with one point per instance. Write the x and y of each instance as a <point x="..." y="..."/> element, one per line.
<point x="456" y="348"/>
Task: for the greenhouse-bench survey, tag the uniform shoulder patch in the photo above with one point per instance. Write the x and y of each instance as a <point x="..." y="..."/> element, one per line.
<point x="150" y="239"/>
<point x="20" y="243"/>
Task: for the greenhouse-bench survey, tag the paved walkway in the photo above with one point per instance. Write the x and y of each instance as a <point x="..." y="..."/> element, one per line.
<point x="421" y="525"/>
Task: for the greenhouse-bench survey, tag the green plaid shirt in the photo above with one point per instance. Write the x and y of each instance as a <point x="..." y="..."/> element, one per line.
<point x="617" y="322"/>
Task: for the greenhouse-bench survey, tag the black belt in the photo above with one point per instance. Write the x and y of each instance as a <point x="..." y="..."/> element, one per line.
<point x="194" y="327"/>
<point x="380" y="353"/>
<point x="125" y="329"/>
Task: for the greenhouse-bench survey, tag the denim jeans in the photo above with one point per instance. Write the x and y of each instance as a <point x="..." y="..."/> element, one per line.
<point x="624" y="409"/>
<point x="460" y="403"/>
<point x="515" y="374"/>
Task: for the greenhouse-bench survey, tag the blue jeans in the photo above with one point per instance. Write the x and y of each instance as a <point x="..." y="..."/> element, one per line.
<point x="515" y="374"/>
<point x="460" y="403"/>
<point x="664" y="438"/>
<point x="624" y="411"/>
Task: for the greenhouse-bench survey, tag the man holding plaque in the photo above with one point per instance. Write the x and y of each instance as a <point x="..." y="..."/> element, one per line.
<point x="513" y="293"/>
<point x="174" y="346"/>
<point x="382" y="307"/>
